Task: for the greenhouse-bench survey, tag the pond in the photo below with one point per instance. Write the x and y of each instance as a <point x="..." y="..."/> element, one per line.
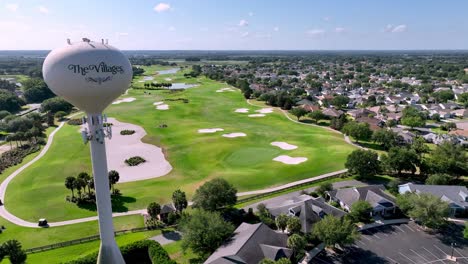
<point x="170" y="71"/>
<point x="176" y="86"/>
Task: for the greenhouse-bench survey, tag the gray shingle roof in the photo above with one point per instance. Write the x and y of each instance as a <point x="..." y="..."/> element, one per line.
<point x="167" y="208"/>
<point x="309" y="210"/>
<point x="453" y="194"/>
<point x="374" y="194"/>
<point x="249" y="245"/>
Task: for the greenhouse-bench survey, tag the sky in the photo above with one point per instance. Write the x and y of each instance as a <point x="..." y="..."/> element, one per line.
<point x="237" y="24"/>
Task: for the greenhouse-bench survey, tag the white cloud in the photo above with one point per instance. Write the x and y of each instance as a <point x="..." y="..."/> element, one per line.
<point x="276" y="29"/>
<point x="122" y="34"/>
<point x="43" y="9"/>
<point x="315" y="32"/>
<point x="12" y="7"/>
<point x="327" y="18"/>
<point x="243" y="23"/>
<point x="245" y="34"/>
<point x="161" y="7"/>
<point x="251" y="14"/>
<point x="399" y="28"/>
<point x="340" y="29"/>
<point x="171" y="28"/>
<point x="395" y="29"/>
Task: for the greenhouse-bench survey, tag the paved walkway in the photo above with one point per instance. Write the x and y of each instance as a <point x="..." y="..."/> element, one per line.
<point x="167" y="237"/>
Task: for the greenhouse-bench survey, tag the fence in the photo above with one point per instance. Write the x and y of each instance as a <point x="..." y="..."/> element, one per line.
<point x="312" y="180"/>
<point x="81" y="240"/>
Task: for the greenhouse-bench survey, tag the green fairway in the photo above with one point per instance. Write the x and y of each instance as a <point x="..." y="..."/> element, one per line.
<point x="246" y="162"/>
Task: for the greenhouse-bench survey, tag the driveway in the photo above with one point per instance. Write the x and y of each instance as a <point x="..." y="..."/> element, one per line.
<point x="403" y="244"/>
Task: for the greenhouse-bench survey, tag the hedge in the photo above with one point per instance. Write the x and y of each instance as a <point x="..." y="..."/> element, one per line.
<point x="139" y="252"/>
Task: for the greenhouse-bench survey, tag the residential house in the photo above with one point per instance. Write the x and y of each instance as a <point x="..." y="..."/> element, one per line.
<point x="455" y="196"/>
<point x="165" y="211"/>
<point x="382" y="203"/>
<point x="360" y="113"/>
<point x="308" y="209"/>
<point x="331" y="112"/>
<point x="250" y="244"/>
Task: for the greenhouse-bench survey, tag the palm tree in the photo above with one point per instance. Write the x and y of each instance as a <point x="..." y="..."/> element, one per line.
<point x="70" y="184"/>
<point x="79" y="184"/>
<point x="86" y="179"/>
<point x="113" y="178"/>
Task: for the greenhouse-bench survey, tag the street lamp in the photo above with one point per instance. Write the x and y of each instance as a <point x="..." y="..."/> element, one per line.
<point x="90" y="75"/>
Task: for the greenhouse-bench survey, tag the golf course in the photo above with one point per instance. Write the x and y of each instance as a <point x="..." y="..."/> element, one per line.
<point x="246" y="161"/>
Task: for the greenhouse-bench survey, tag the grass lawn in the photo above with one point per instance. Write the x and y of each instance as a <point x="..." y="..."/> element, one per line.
<point x="175" y="252"/>
<point x="246" y="162"/>
<point x="69" y="253"/>
<point x="36" y="237"/>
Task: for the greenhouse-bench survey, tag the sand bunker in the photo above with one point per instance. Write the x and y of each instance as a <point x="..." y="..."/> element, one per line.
<point x="242" y="110"/>
<point x="124" y="100"/>
<point x="168" y="79"/>
<point x="122" y="147"/>
<point x="210" y="130"/>
<point x="257" y="115"/>
<point x="290" y="160"/>
<point x="158" y="103"/>
<point x="234" y="135"/>
<point x="162" y="107"/>
<point x="283" y="145"/>
<point x="265" y="110"/>
<point x="222" y="90"/>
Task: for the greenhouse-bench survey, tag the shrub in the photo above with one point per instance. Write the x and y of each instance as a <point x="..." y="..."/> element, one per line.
<point x="75" y="122"/>
<point x="16" y="156"/>
<point x="314" y="194"/>
<point x="134" y="161"/>
<point x="139" y="252"/>
<point x="127" y="132"/>
<point x="60" y="115"/>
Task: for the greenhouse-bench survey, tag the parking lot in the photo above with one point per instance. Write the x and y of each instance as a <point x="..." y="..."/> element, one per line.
<point x="405" y="243"/>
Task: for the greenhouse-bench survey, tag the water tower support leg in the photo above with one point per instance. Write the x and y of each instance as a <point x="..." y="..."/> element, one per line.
<point x="109" y="252"/>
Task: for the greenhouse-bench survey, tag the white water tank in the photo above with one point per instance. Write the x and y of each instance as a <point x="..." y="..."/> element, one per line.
<point x="88" y="74"/>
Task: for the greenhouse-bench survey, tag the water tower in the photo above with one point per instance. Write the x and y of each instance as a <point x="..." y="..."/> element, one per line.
<point x="90" y="75"/>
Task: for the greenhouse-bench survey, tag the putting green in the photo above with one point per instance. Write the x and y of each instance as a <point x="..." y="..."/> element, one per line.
<point x="246" y="162"/>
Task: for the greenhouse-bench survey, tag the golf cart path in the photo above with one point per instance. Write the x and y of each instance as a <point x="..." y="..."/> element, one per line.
<point x="285" y="113"/>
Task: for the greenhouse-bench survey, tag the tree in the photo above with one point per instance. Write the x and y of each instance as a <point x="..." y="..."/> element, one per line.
<point x="214" y="195"/>
<point x="294" y="225"/>
<point x="114" y="177"/>
<point x="10" y="102"/>
<point x="419" y="146"/>
<point x="438" y="179"/>
<point x="324" y="187"/>
<point x="426" y="208"/>
<point x="338" y="123"/>
<point x="281" y="222"/>
<point x="364" y="163"/>
<point x="413" y="118"/>
<point x="154" y="209"/>
<point x="79" y="184"/>
<point x="36" y="90"/>
<point x="359" y="131"/>
<point x="265" y="215"/>
<point x="179" y="200"/>
<point x="393" y="185"/>
<point x="463" y="98"/>
<point x="401" y="159"/>
<point x="450" y="159"/>
<point x="316" y="115"/>
<point x="332" y="231"/>
<point x="340" y="101"/>
<point x="13" y="249"/>
<point x="70" y="184"/>
<point x="86" y="178"/>
<point x="204" y="231"/>
<point x="60" y="115"/>
<point x="385" y="137"/>
<point x="361" y="212"/>
<point x="298" y="112"/>
<point x="55" y="105"/>
<point x="297" y="243"/>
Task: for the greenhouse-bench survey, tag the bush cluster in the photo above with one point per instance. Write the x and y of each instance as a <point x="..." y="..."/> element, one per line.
<point x="127" y="132"/>
<point x="141" y="252"/>
<point x="16" y="156"/>
<point x="134" y="161"/>
<point x="75" y="122"/>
